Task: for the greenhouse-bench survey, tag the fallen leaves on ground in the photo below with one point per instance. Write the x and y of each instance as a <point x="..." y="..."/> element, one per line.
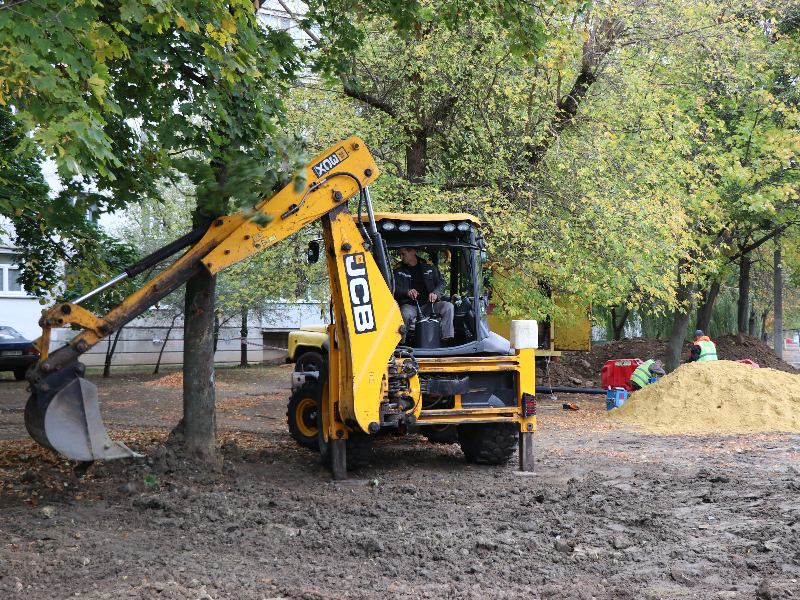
<point x="590" y="417"/>
<point x="176" y="380"/>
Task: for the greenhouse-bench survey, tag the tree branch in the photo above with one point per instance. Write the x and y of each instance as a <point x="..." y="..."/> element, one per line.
<point x="296" y="20"/>
<point x="602" y="40"/>
<point x="370" y="100"/>
<point x="747" y="249"/>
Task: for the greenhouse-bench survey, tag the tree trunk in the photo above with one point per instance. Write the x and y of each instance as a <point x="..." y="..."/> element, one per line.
<point x="764" y="316"/>
<point x="778" y="290"/>
<point x="417" y="157"/>
<point x="243" y="362"/>
<point x="742" y="306"/>
<point x="110" y="354"/>
<point x="681" y="321"/>
<point x="199" y="416"/>
<point x="618" y="323"/>
<point x="166" y="339"/>
<point x="216" y="331"/>
<point x="705" y="311"/>
<point x="751" y="323"/>
<point x="645" y="324"/>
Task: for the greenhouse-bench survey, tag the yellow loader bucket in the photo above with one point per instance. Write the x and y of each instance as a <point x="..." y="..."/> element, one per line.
<point x="63" y="414"/>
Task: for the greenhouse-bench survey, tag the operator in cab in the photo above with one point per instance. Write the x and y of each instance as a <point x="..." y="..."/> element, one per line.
<point x="417" y="281"/>
<point x="704" y="349"/>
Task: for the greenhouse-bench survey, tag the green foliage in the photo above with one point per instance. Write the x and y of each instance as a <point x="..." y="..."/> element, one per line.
<point x="55" y="241"/>
<point x="112" y="90"/>
<point x="21" y="181"/>
<point x="685" y="144"/>
<point x="599" y="144"/>
<point x="128" y="95"/>
<point x="342" y="30"/>
<point x="150" y="480"/>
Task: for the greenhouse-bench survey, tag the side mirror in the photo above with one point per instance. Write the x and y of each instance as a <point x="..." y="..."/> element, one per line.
<point x="313" y="251"/>
<point x="483" y="256"/>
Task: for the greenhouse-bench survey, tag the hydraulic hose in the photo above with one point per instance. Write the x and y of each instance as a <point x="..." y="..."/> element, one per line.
<point x="164" y="253"/>
<point x="568" y="390"/>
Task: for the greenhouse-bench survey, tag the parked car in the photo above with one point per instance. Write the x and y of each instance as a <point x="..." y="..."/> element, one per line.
<point x="16" y="353"/>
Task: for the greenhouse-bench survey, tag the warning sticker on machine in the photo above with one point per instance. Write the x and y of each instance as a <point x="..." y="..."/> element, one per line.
<point x="355" y="268"/>
<point x="330" y="161"/>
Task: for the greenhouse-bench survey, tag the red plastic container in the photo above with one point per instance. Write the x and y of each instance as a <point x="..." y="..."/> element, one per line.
<point x="617" y="373"/>
<point x="747" y="361"/>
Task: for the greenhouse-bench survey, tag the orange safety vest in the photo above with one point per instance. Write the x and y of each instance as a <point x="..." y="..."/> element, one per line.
<point x="708" y="350"/>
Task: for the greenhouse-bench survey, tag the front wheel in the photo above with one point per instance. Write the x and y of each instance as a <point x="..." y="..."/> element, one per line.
<point x="488" y="443"/>
<point x="358" y="447"/>
<point x="310" y="361"/>
<point x="301" y="415"/>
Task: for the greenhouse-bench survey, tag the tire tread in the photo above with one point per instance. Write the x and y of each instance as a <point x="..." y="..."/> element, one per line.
<point x="489" y="443"/>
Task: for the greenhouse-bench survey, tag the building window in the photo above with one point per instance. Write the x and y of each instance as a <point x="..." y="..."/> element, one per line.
<point x="9" y="277"/>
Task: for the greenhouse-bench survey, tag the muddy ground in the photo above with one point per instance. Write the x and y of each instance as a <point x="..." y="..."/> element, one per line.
<point x="613" y="512"/>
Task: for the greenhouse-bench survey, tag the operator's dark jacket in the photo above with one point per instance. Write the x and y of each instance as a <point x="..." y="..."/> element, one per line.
<point x="434" y="282"/>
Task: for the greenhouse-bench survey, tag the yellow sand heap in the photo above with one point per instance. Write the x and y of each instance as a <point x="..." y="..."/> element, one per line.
<point x="721" y="396"/>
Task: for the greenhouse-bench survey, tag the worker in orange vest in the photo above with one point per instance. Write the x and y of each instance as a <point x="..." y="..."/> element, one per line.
<point x="704" y="349"/>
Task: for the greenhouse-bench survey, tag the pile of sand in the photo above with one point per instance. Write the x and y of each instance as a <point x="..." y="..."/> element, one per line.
<point x="721" y="396"/>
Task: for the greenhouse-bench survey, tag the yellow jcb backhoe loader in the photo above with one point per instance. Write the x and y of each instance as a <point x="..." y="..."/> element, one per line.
<point x="482" y="384"/>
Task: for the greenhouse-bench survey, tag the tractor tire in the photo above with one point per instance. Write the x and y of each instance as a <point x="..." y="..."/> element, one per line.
<point x="19" y="374"/>
<point x="440" y="434"/>
<point x="359" y="451"/>
<point x="310" y="361"/>
<point x="488" y="443"/>
<point x="358" y="446"/>
<point x="301" y="415"/>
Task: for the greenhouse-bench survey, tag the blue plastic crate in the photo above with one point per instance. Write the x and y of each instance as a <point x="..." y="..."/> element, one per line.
<point x="615" y="398"/>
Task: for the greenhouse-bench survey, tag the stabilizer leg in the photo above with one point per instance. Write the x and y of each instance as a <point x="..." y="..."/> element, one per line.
<point x="526" y="452"/>
<point x="339" y="449"/>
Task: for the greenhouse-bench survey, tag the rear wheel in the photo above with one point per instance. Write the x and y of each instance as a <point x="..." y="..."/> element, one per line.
<point x="19" y="374"/>
<point x="310" y="361"/>
<point x="488" y="443"/>
<point x="440" y="434"/>
<point x="301" y="415"/>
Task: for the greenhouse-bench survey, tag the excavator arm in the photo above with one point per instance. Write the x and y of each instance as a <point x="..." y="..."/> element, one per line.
<point x="62" y="412"/>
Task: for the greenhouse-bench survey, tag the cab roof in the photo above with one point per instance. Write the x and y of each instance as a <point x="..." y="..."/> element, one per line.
<point x="421" y="218"/>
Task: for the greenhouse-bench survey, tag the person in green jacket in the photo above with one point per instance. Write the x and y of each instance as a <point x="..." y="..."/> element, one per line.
<point x="704" y="349"/>
<point x="641" y="376"/>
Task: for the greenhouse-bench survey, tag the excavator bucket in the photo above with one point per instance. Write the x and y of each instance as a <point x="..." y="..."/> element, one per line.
<point x="63" y="414"/>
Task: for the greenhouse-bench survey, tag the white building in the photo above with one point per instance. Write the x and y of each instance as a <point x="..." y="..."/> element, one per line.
<point x="17" y="308"/>
<point x="284" y="15"/>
